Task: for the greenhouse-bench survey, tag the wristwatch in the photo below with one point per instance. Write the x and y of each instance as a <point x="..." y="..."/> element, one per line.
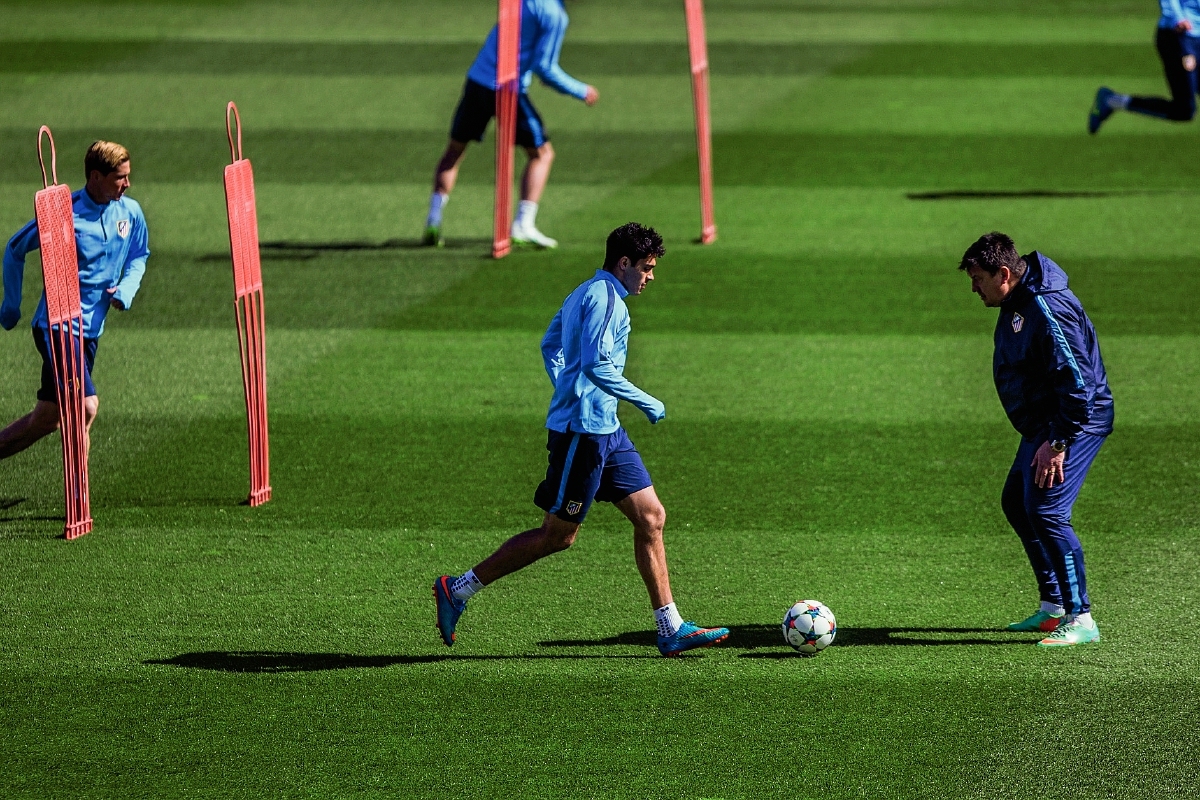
<point x="1058" y="445"/>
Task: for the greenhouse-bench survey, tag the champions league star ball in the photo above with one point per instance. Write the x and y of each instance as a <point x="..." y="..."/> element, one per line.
<point x="809" y="627"/>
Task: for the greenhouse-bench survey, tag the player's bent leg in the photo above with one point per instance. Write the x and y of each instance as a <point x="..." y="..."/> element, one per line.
<point x="1012" y="501"/>
<point x="27" y="430"/>
<point x="533" y="183"/>
<point x="444" y="178"/>
<point x="554" y="536"/>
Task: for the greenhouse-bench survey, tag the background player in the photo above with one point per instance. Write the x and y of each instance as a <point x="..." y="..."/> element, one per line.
<point x="1178" y="42"/>
<point x="591" y="457"/>
<point x="543" y="24"/>
<point x="1051" y="380"/>
<point x="112" y="246"/>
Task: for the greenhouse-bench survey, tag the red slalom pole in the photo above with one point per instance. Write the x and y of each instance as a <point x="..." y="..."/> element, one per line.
<point x="60" y="273"/>
<point x="248" y="305"/>
<point x="508" y="86"/>
<point x="698" y="50"/>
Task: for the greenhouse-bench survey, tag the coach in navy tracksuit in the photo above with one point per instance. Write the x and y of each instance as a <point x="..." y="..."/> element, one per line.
<point x="1051" y="381"/>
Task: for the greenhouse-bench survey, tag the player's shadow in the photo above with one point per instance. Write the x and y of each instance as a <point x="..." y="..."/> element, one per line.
<point x="994" y="194"/>
<point x="269" y="661"/>
<point x="754" y="637"/>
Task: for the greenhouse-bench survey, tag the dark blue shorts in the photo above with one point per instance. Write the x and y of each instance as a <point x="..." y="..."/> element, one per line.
<point x="46" y="391"/>
<point x="478" y="106"/>
<point x="586" y="467"/>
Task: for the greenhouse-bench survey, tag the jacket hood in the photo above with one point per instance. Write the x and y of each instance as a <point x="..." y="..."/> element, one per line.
<point x="1043" y="275"/>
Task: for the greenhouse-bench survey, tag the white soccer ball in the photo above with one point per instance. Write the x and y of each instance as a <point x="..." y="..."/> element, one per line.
<point x="809" y="627"/>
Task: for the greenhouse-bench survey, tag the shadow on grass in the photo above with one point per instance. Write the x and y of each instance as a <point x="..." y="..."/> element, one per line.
<point x="253" y="661"/>
<point x="1017" y="195"/>
<point x="304" y="251"/>
<point x="752" y="637"/>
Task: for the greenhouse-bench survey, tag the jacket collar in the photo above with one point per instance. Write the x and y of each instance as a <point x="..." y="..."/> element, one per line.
<point x="622" y="292"/>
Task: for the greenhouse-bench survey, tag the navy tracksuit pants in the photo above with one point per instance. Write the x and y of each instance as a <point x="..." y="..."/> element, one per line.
<point x="1173" y="48"/>
<point x="1042" y="518"/>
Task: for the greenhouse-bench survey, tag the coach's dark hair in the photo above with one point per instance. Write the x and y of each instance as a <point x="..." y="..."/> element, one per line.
<point x="633" y="241"/>
<point x="991" y="252"/>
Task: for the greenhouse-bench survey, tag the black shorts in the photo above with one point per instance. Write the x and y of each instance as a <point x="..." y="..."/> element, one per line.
<point x="46" y="392"/>
<point x="478" y="106"/>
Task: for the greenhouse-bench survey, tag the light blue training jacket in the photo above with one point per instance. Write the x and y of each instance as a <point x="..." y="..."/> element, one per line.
<point x="1175" y="11"/>
<point x="584" y="350"/>
<point x="111" y="244"/>
<point x="543" y="25"/>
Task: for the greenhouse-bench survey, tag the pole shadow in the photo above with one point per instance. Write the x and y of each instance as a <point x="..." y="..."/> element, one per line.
<point x="254" y="661"/>
<point x="11" y="502"/>
<point x="1033" y="194"/>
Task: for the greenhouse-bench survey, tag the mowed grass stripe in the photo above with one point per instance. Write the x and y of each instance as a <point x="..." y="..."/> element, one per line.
<point x="582" y="58"/>
<point x="1131" y="163"/>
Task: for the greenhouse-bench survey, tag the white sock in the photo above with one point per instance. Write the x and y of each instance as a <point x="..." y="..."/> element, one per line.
<point x="526" y="213"/>
<point x="1085" y="619"/>
<point x="667" y="620"/>
<point x="465" y="587"/>
<point x="1053" y="609"/>
<point x="1118" y="101"/>
<point x="437" y="201"/>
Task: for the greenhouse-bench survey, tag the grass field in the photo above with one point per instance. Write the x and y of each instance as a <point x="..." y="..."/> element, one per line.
<point x="832" y="427"/>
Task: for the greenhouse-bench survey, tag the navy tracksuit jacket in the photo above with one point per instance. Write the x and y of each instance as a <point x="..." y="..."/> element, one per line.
<point x="1051" y="381"/>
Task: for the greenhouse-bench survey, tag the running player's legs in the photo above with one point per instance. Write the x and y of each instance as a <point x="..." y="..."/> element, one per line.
<point x="475" y="110"/>
<point x="43" y="419"/>
<point x="1179" y="64"/>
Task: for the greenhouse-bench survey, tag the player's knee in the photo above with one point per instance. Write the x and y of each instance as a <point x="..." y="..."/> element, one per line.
<point x="44" y="419"/>
<point x="558" y="535"/>
<point x="651" y="522"/>
<point x="544" y="153"/>
<point x="91" y="405"/>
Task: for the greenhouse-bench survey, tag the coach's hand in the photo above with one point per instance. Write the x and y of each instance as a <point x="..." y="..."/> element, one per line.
<point x="656" y="412"/>
<point x="592" y="96"/>
<point x="113" y="301"/>
<point x="1183" y="26"/>
<point x="1048" y="466"/>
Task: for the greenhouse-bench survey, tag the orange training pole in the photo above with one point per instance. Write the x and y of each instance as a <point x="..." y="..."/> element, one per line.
<point x="508" y="86"/>
<point x="60" y="272"/>
<point x="248" y="306"/>
<point x="698" y="50"/>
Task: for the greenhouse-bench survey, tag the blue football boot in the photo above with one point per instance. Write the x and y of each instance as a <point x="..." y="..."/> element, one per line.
<point x="1101" y="109"/>
<point x="690" y="636"/>
<point x="448" y="609"/>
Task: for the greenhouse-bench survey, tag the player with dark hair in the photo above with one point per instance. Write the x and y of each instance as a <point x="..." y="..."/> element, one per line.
<point x="1051" y="381"/>
<point x="591" y="457"/>
<point x="112" y="245"/>
<point x="543" y="25"/>
<point x="1178" y="43"/>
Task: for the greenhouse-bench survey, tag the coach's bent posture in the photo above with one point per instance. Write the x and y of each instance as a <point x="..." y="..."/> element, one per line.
<point x="112" y="247"/>
<point x="1051" y="381"/>
<point x="591" y="457"/>
<point x="543" y="25"/>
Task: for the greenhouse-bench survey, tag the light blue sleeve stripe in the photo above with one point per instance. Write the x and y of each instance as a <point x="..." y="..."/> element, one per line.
<point x="1061" y="338"/>
<point x="562" y="487"/>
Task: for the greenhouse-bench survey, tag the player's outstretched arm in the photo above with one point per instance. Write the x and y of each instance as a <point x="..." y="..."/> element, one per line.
<point x="599" y="338"/>
<point x="18" y="247"/>
<point x="553" y="27"/>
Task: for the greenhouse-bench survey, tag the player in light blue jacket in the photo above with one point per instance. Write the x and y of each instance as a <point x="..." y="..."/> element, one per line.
<point x="543" y="25"/>
<point x="1178" y="43"/>
<point x="112" y="247"/>
<point x="591" y="457"/>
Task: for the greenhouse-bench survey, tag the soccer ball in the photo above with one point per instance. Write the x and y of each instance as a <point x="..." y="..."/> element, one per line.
<point x="809" y="627"/>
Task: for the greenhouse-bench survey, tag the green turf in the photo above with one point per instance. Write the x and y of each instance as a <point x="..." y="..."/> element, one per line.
<point x="832" y="428"/>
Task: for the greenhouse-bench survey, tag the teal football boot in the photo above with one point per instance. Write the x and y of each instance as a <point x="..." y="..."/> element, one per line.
<point x="690" y="636"/>
<point x="1072" y="633"/>
<point x="448" y="609"/>
<point x="433" y="237"/>
<point x="1040" y="622"/>
<point x="1101" y="109"/>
